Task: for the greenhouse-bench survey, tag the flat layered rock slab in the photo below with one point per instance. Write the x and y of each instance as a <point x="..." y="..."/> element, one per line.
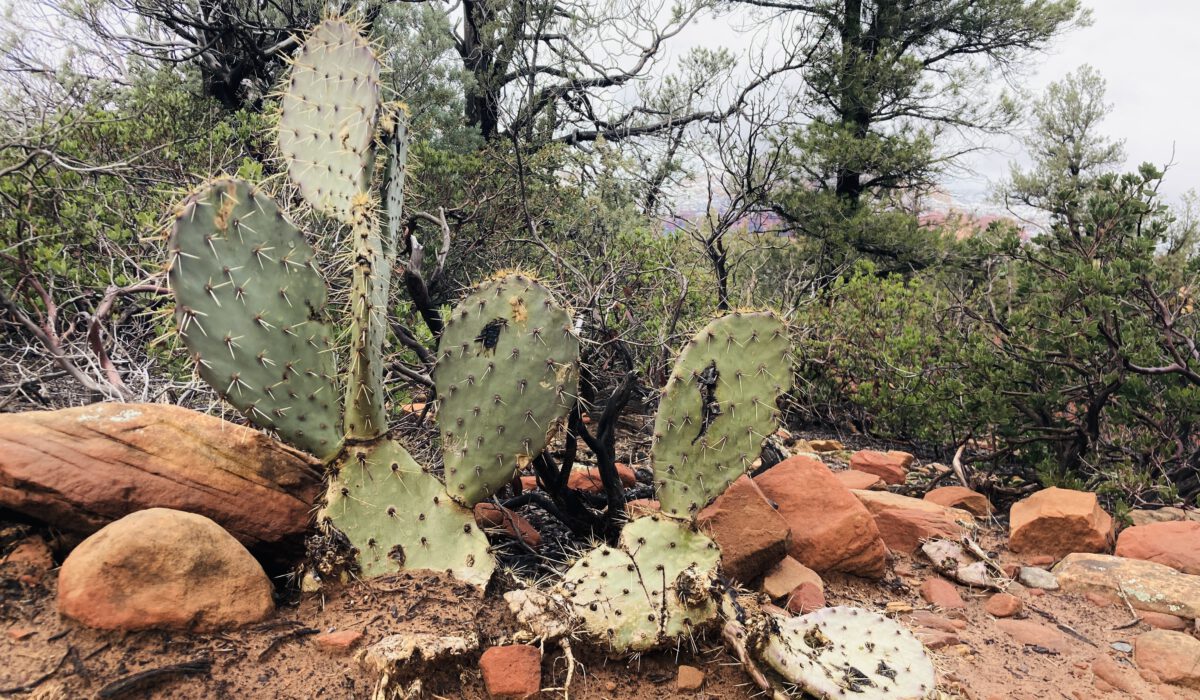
<point x="1147" y="585"/>
<point x="79" y="469"/>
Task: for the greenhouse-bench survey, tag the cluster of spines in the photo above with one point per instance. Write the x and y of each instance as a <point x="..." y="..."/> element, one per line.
<point x="507" y="372"/>
<point x="250" y="307"/>
<point x="328" y="115"/>
<point x="717" y="408"/>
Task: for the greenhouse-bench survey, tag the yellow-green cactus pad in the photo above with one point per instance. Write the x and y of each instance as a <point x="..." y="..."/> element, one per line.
<point x="397" y="516"/>
<point x="718" y="407"/>
<point x="650" y="590"/>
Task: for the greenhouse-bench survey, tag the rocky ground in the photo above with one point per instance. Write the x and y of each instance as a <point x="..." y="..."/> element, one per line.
<point x="1082" y="629"/>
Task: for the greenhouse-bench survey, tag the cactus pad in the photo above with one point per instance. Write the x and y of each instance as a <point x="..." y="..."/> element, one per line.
<point x="650" y="590"/>
<point x="393" y="180"/>
<point x="718" y="406"/>
<point x="249" y="306"/>
<point x="398" y="517"/>
<point x="507" y="372"/>
<point x="845" y="652"/>
<point x="327" y="117"/>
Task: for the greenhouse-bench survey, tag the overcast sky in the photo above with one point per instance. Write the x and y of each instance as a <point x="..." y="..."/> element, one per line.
<point x="1149" y="55"/>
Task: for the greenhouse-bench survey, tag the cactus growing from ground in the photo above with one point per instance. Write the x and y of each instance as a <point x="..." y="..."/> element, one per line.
<point x="653" y="587"/>
<point x="250" y="307"/>
<point x="718" y="407"/>
<point x="507" y="373"/>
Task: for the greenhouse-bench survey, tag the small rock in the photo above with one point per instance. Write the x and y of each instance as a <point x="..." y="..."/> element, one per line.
<point x="856" y="480"/>
<point x="933" y="639"/>
<point x="904" y="523"/>
<point x="1040" y="560"/>
<point x="941" y="593"/>
<point x="339" y="642"/>
<point x="1175" y="544"/>
<point x="1114" y="674"/>
<point x="1100" y="601"/>
<point x="787" y="576"/>
<point x="31" y="552"/>
<point x="18" y="634"/>
<point x="1148" y="586"/>
<point x="1003" y="605"/>
<point x="1164" y="621"/>
<point x="490" y="516"/>
<point x="806" y="598"/>
<point x="163" y="569"/>
<point x="924" y="618"/>
<point x="1056" y="522"/>
<point x="1033" y="577"/>
<point x="512" y="672"/>
<point x="1162" y="515"/>
<point x="897" y="607"/>
<point x="831" y="529"/>
<point x="1172" y="656"/>
<point x="891" y="466"/>
<point x="752" y="535"/>
<point x="588" y="478"/>
<point x="1035" y="634"/>
<point x="1123" y="647"/>
<point x="825" y="445"/>
<point x="962" y="498"/>
<point x="689" y="679"/>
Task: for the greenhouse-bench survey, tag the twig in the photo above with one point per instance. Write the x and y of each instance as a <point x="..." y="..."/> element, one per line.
<point x="26" y="687"/>
<point x="285" y="637"/>
<point x="139" y="681"/>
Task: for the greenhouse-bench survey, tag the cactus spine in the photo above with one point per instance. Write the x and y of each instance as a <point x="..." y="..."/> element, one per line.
<point x="507" y="373"/>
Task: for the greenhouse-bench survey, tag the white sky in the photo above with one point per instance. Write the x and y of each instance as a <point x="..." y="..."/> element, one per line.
<point x="1148" y="53"/>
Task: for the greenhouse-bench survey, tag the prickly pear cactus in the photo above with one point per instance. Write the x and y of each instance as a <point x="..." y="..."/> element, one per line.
<point x="718" y="406"/>
<point x="653" y="588"/>
<point x="330" y="106"/>
<point x="507" y="372"/>
<point x="395" y="170"/>
<point x="845" y="652"/>
<point x="398" y="517"/>
<point x="249" y="305"/>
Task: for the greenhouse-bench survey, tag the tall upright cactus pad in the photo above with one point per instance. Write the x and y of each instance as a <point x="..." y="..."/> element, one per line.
<point x="718" y="406"/>
<point x="653" y="588"/>
<point x="507" y="372"/>
<point x="328" y="116"/>
<point x="395" y="170"/>
<point x="397" y="516"/>
<point x="249" y="305"/>
<point x="845" y="652"/>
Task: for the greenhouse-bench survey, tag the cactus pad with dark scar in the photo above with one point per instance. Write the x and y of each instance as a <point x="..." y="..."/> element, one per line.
<point x="846" y="652"/>
<point x="507" y="373"/>
<point x="397" y="516"/>
<point x="718" y="406"/>
<point x="250" y="308"/>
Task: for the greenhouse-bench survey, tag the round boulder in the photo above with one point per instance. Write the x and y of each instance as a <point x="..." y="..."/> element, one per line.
<point x="163" y="569"/>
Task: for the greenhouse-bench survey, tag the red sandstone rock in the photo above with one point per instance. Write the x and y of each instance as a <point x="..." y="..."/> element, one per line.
<point x="512" y="672"/>
<point x="1173" y="657"/>
<point x="962" y="498"/>
<point x="752" y="535"/>
<point x="860" y="481"/>
<point x="787" y="575"/>
<point x="806" y="598"/>
<point x="163" y="569"/>
<point x="79" y="469"/>
<point x="1003" y="605"/>
<point x="689" y="679"/>
<point x="1035" y="634"/>
<point x="831" y="529"/>
<point x="904" y="523"/>
<point x="891" y="466"/>
<point x="339" y="642"/>
<point x="941" y="593"/>
<point x="490" y="516"/>
<point x="1176" y="544"/>
<point x="1056" y="522"/>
